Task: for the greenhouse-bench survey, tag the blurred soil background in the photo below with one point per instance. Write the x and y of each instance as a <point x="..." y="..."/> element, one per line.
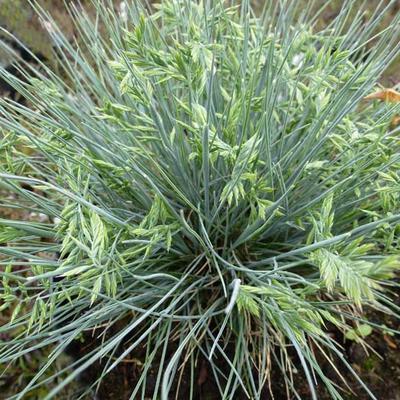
<point x="379" y="369"/>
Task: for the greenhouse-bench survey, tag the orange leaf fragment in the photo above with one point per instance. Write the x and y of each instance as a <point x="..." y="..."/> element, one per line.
<point x="395" y="121"/>
<point x="389" y="95"/>
<point x="390" y="342"/>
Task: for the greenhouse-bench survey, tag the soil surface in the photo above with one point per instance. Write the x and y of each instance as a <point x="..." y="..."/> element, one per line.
<point x="378" y="367"/>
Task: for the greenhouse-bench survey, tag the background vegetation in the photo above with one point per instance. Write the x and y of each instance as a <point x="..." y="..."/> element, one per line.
<point x="22" y="22"/>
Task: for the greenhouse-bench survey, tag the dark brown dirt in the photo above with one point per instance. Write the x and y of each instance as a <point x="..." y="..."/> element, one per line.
<point x="378" y="368"/>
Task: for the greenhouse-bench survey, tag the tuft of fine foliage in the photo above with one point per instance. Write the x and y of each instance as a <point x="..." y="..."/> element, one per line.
<point x="208" y="181"/>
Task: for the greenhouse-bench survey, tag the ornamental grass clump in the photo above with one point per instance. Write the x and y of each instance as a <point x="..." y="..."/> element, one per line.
<point x="212" y="191"/>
